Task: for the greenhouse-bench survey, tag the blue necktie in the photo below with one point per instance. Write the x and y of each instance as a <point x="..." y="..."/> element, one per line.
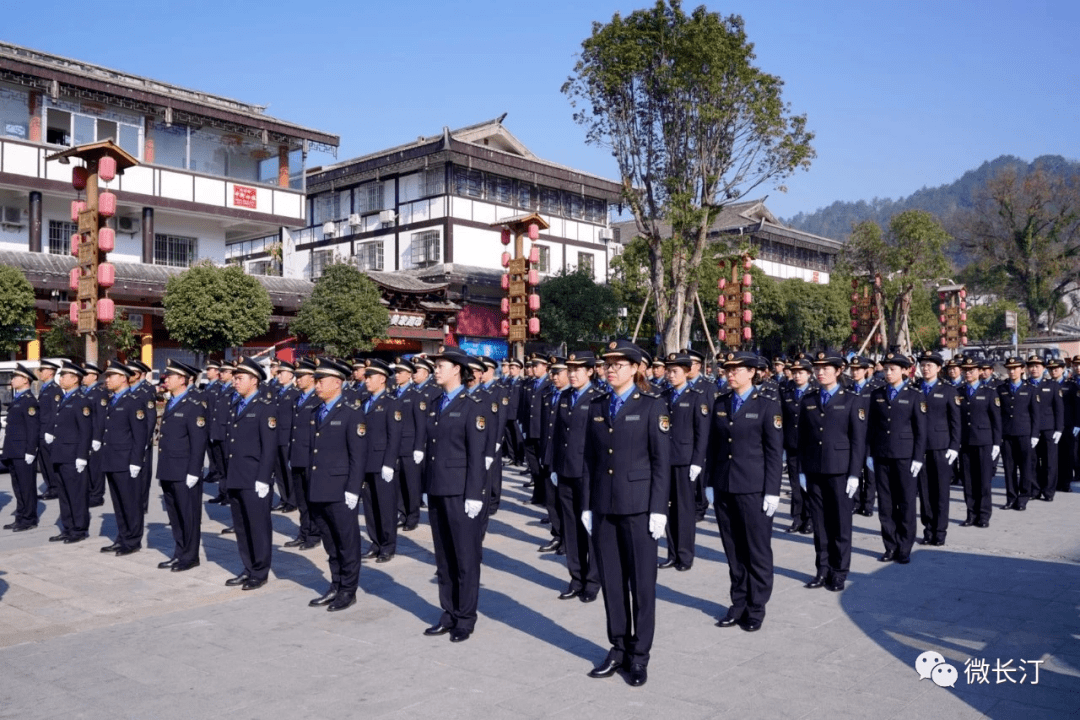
<point x="573" y="398"/>
<point x="172" y="403"/>
<point x="798" y="395"/>
<point x="323" y="410"/>
<point x="616" y="405"/>
<point x="736" y="403"/>
<point x="444" y="402"/>
<point x="892" y="393"/>
<point x="367" y="405"/>
<point x="971" y="392"/>
<point x="825" y="398"/>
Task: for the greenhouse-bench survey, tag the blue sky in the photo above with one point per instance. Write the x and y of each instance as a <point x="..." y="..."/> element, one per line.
<point x="901" y="95"/>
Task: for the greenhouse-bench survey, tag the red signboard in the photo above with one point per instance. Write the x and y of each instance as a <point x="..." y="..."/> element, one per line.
<point x="243" y="196"/>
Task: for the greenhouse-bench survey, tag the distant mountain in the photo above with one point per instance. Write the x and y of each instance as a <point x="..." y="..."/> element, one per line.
<point x="836" y="220"/>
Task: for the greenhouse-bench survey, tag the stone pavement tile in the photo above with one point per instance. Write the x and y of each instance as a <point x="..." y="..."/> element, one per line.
<point x="855" y="704"/>
<point x="937" y="702"/>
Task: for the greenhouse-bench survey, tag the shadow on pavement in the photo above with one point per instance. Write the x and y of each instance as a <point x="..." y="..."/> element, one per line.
<point x="504" y="609"/>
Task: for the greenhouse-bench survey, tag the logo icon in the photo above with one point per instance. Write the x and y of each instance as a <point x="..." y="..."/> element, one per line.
<point x="931" y="664"/>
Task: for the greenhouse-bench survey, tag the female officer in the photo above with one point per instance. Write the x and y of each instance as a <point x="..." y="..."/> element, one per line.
<point x="626" y="488"/>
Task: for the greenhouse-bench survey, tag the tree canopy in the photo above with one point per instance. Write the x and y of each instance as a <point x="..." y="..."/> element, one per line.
<point x="574" y="309"/>
<point x="63" y="339"/>
<point x="17" y="314"/>
<point x="210" y="308"/>
<point x="344" y="314"/>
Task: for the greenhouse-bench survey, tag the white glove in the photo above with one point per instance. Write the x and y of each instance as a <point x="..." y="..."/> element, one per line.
<point x="769" y="506"/>
<point x="423" y="498"/>
<point x="870" y="463"/>
<point x="555" y="479"/>
<point x="487" y="462"/>
<point x="916" y="466"/>
<point x="387" y="473"/>
<point x="28" y="458"/>
<point x="351" y="499"/>
<point x="1076" y="431"/>
<point x="852" y="486"/>
<point x="133" y="470"/>
<point x="80" y="465"/>
<point x="1034" y="442"/>
<point x="498" y="445"/>
<point x="950" y="456"/>
<point x="586" y="520"/>
<point x="473" y="508"/>
<point x="262" y="489"/>
<point x="96" y="444"/>
<point x="695" y="470"/>
<point x="1057" y="436"/>
<point x="418" y="456"/>
<point x="49" y="437"/>
<point x="802" y="480"/>
<point x="191" y="480"/>
<point x="994" y="452"/>
<point x="657" y="524"/>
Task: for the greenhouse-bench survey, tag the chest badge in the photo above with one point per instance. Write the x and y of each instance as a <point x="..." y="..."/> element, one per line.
<point x="31" y="410"/>
<point x="86" y="411"/>
<point x="200" y="421"/>
<point x="104" y="402"/>
<point x="140" y="415"/>
<point x="959" y="400"/>
<point x="423" y="405"/>
<point x="494" y="407"/>
<point x="862" y="414"/>
<point x="397" y="415"/>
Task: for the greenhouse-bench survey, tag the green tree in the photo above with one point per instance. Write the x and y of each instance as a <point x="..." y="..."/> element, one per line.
<point x="17" y="314"/>
<point x="344" y="313"/>
<point x="63" y="339"/>
<point x="210" y="308"/>
<point x="986" y="323"/>
<point x="910" y="259"/>
<point x="574" y="309"/>
<point x="693" y="124"/>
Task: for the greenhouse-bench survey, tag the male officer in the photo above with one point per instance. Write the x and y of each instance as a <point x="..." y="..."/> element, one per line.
<point x="535" y="393"/>
<point x="790" y="402"/>
<point x="495" y="402"/>
<point x="98" y="397"/>
<point x="383" y="419"/>
<point x="696" y="378"/>
<point x="21" y="436"/>
<point x="658" y="379"/>
<point x="123" y="450"/>
<point x="48" y="397"/>
<point x="1066" y="447"/>
<point x="413" y="408"/>
<point x="549" y="410"/>
<point x="832" y="446"/>
<point x="1019" y="434"/>
<point x="863" y="382"/>
<point x="285" y="394"/>
<point x="212" y="391"/>
<point x="69" y="436"/>
<point x="308" y="534"/>
<point x="942" y="448"/>
<point x="512" y="439"/>
<point x="249" y="470"/>
<point x="688" y="410"/>
<point x="897" y="433"/>
<point x="338" y="448"/>
<point x="222" y="410"/>
<point x="980" y="442"/>
<point x="1051" y="419"/>
<point x="147" y="395"/>
<point x="181" y="448"/>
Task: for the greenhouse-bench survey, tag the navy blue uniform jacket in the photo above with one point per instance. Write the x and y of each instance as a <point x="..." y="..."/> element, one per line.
<point x="457" y="441"/>
<point x="184" y="434"/>
<point x="746" y="449"/>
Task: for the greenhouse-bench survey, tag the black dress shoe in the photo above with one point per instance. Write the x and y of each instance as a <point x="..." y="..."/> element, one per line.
<point x="1048" y="498"/>
<point x="110" y="548"/>
<point x="569" y="594"/>
<point x="605" y="669"/>
<point x="408" y="528"/>
<point x="669" y="563"/>
<point x="682" y="568"/>
<point x="750" y="625"/>
<point x="561" y="550"/>
<point x="887" y="556"/>
<point x="74" y="539"/>
<point x="385" y="558"/>
<point x="58" y="538"/>
<point x="96" y="503"/>
<point x="587" y="597"/>
<point x="278" y="507"/>
<point x="1008" y="506"/>
<point x="1020" y="507"/>
<point x="126" y="551"/>
<point x="818" y="581"/>
<point x="178" y="567"/>
<point x="343" y="600"/>
<point x="254" y="584"/>
<point x="310" y="544"/>
<point x="866" y="512"/>
<point x="806" y="528"/>
<point x="545" y="521"/>
<point x="288" y="508"/>
<point x="438" y="629"/>
<point x="982" y="524"/>
<point x="549" y="547"/>
<point x="726" y="621"/>
<point x="834" y="585"/>
<point x="794" y="527"/>
<point x="638" y="675"/>
<point x="326" y="598"/>
<point x="48" y="496"/>
<point x="167" y="564"/>
<point x="967" y="523"/>
<point x="371" y="554"/>
<point x="229" y="531"/>
<point x="459" y="635"/>
<point x="938" y="542"/>
<point x="293" y="543"/>
<point x="22" y="528"/>
<point x="903" y="559"/>
<point x="10" y="526"/>
<point x="238" y="580"/>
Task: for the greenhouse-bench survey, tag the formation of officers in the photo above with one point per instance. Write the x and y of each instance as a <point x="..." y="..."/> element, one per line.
<point x="620" y="448"/>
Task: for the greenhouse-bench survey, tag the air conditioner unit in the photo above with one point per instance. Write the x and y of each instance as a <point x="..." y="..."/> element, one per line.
<point x="128" y="225"/>
<point x="13" y="215"/>
<point x="606" y="234"/>
<point x="355" y="220"/>
<point x="328" y="229"/>
<point x="387" y="217"/>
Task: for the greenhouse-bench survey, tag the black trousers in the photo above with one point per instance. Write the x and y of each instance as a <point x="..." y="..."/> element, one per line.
<point x="551" y="502"/>
<point x="309" y="528"/>
<point x="864" y="496"/>
<point x="1046" y="463"/>
<point x="495" y="484"/>
<point x="97" y="477"/>
<point x="340" y="533"/>
<point x="146" y="475"/>
<point x="284" y="477"/>
<point x="1066" y="457"/>
<point x="216" y="456"/>
<point x="1016" y="462"/>
<point x="380" y="512"/>
<point x="800" y="510"/>
<point x="977" y="469"/>
<point x="701" y="499"/>
<point x="934" y="481"/>
<point x="626" y="561"/>
<point x="896" y="489"/>
<point x="24" y="488"/>
<point x="251" y="519"/>
<point x="457" y="559"/>
<point x="830" y="509"/>
<point x="746" y="533"/>
<point x="532" y="461"/>
<point x="126" y="494"/>
<point x="514" y="443"/>
<point x="48" y="470"/>
<point x="580" y="558"/>
<point x="73" y="488"/>
<point x="409" y="473"/>
<point x="184" y="507"/>
<point x="682" y="516"/>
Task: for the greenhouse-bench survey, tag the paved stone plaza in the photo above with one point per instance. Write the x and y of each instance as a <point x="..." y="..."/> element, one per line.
<point x="87" y="635"/>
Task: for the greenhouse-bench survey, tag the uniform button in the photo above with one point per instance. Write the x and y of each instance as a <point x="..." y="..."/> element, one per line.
<point x="610" y="451"/>
<point x="610" y="472"/>
<point x="313" y="467"/>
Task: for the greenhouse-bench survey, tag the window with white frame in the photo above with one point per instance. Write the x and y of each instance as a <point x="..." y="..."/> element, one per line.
<point x="425" y="248"/>
<point x="432" y="182"/>
<point x="544" y="265"/>
<point x="369" y="255"/>
<point x="60" y="232"/>
<point x="369" y="197"/>
<point x="585" y="262"/>
<point x="319" y="260"/>
<point x="175" y="250"/>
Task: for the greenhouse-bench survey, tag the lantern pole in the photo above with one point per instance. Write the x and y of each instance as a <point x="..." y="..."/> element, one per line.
<point x="520" y="306"/>
<point x="91" y="348"/>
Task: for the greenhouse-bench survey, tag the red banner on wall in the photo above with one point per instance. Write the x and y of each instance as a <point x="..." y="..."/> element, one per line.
<point x="243" y="196"/>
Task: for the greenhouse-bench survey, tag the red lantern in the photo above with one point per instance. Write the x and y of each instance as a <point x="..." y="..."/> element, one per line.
<point x="73" y="313"/>
<point x="877" y="339"/>
<point x="534" y="323"/>
<point x="941" y="319"/>
<point x="877" y="281"/>
<point x="963" y="340"/>
<point x="75" y="240"/>
<point x="747" y="298"/>
<point x="77" y="206"/>
<point x="505" y="327"/>
<point x="106" y="204"/>
<point x="505" y="305"/>
<point x="721" y="283"/>
<point x="505" y="259"/>
<point x="854" y="324"/>
<point x="873" y="310"/>
<point x="943" y="330"/>
<point x="106" y="311"/>
<point x="944" y="342"/>
<point x="534" y="233"/>
<point x="721" y="317"/>
<point x="941" y="307"/>
<point x="106" y="274"/>
<point x="963" y="305"/>
<point x="747" y="263"/>
<point x="963" y="317"/>
<point x="854" y="297"/>
<point x="505" y="282"/>
<point x="79" y="176"/>
<point x="854" y="311"/>
<point x="534" y="254"/>
<point x="505" y="236"/>
<point x="963" y="329"/>
<point x="534" y="302"/>
<point x="73" y="278"/>
<point x="746" y="280"/>
<point x="106" y="168"/>
<point x="941" y="296"/>
<point x="106" y="239"/>
<point x="747" y="334"/>
<point x="747" y="316"/>
<point x="722" y="335"/>
<point x="963" y="293"/>
<point x="534" y="278"/>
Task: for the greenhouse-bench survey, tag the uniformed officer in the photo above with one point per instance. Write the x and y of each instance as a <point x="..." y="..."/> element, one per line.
<point x="897" y="440"/>
<point x="1051" y="418"/>
<point x="627" y="487"/>
<point x="549" y="410"/>
<point x="454" y="484"/>
<point x="308" y="534"/>
<point x="1019" y="434"/>
<point x="535" y="392"/>
<point x="48" y="397"/>
<point x="380" y="491"/>
<point x="147" y="395"/>
<point x="69" y="436"/>
<point x="513" y="442"/>
<point x="338" y="449"/>
<point x="1070" y="418"/>
<point x="697" y="378"/>
<point x="252" y="443"/>
<point x="413" y="408"/>
<point x="863" y="382"/>
<point x="285" y="394"/>
<point x="659" y="379"/>
<point x="97" y="396"/>
<point x="953" y="374"/>
<point x="942" y="449"/>
<point x="832" y="447"/>
<point x="688" y="410"/>
<point x="790" y="401"/>
<point x="181" y="448"/>
<point x="123" y="450"/>
<point x="220" y="412"/>
<point x="496" y="403"/>
<point x="21" y="436"/>
<point x="980" y="442"/>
